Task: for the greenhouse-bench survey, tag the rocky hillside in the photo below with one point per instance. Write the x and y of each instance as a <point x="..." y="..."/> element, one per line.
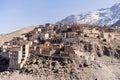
<point x="100" y="61"/>
<point x="102" y="16"/>
<point x="9" y="36"/>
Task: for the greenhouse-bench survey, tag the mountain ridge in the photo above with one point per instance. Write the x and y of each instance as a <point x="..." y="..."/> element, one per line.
<point x="117" y="23"/>
<point x="8" y="36"/>
<point x="103" y="16"/>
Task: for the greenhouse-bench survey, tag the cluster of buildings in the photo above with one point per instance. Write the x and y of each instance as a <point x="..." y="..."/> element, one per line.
<point x="52" y="40"/>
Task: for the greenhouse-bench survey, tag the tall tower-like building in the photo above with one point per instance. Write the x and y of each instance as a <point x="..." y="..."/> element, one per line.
<point x="18" y="56"/>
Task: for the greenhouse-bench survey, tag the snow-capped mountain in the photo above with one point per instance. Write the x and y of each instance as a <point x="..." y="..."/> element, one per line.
<point x="116" y="24"/>
<point x="104" y="16"/>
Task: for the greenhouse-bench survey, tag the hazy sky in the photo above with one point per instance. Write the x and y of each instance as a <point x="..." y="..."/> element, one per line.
<point x="16" y="14"/>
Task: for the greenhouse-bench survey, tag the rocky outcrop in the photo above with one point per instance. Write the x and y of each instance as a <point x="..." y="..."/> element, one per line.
<point x="65" y="69"/>
<point x="100" y="48"/>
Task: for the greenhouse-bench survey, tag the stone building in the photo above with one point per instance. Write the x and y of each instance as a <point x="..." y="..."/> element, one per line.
<point x="18" y="56"/>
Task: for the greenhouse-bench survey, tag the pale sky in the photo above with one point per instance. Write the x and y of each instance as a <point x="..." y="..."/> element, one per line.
<point x="16" y="14"/>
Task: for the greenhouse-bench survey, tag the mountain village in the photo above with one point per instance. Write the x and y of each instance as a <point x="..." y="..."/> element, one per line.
<point x="55" y="41"/>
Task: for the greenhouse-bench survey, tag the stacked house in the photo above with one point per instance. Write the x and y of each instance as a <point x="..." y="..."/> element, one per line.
<point x="52" y="41"/>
